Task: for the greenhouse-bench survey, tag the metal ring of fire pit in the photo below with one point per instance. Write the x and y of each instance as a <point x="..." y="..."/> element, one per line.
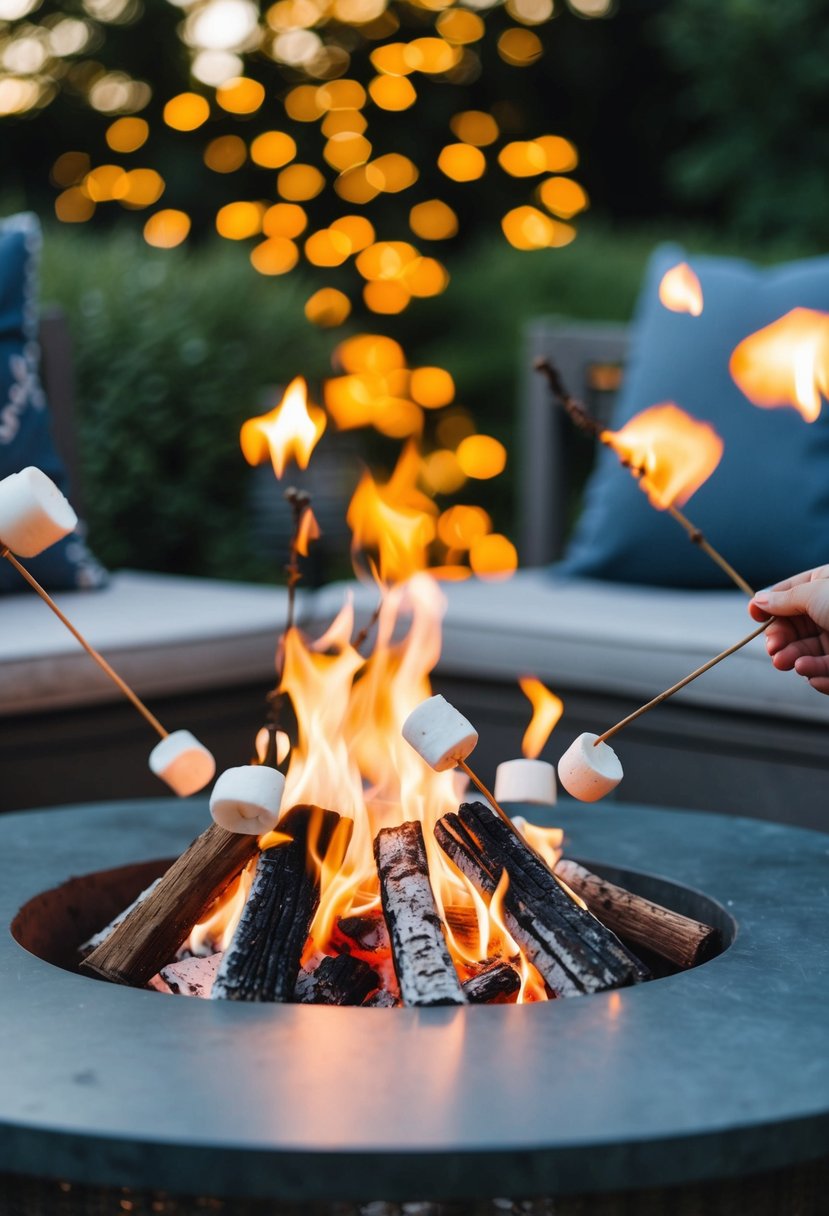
<point x="718" y="1072"/>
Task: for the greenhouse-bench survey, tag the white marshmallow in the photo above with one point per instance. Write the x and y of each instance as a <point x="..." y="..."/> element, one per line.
<point x="589" y="771"/>
<point x="525" y="781"/>
<point x="439" y="734"/>
<point x="184" y="763"/>
<point x="33" y="513"/>
<point x="247" y="799"/>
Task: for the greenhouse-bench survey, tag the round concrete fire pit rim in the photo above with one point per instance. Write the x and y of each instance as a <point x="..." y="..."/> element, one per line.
<point x="714" y="1072"/>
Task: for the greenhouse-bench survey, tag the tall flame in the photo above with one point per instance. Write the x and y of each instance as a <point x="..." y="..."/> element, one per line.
<point x="680" y="290"/>
<point x="290" y="431"/>
<point x="787" y="363"/>
<point x="675" y="452"/>
<point x="547" y="709"/>
<point x="395" y="521"/>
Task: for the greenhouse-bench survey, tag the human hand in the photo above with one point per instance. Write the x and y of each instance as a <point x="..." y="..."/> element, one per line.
<point x="798" y="640"/>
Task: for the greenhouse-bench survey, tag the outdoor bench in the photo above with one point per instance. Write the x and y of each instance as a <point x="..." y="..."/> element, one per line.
<point x="743" y="739"/>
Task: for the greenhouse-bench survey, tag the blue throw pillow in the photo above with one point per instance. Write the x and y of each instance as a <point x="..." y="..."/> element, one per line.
<point x="766" y="506"/>
<point x="24" y="416"/>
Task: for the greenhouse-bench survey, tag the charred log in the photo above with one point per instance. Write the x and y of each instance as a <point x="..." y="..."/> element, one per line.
<point x="382" y="999"/>
<point x="192" y="976"/>
<point x="678" y="938"/>
<point x="338" y="980"/>
<point x="368" y="933"/>
<point x="572" y="951"/>
<point x="424" y="969"/>
<point x="495" y="981"/>
<point x="262" y="961"/>
<point x="149" y="935"/>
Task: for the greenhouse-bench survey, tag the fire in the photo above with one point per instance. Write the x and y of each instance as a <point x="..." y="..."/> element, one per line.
<point x="290" y="431"/>
<point x="680" y="290"/>
<point x="674" y="453"/>
<point x="349" y="753"/>
<point x="787" y="363"/>
<point x="547" y="709"/>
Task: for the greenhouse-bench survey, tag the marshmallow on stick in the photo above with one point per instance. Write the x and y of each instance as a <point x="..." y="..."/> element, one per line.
<point x="33" y="513"/>
<point x="440" y="734"/>
<point x="589" y="769"/>
<point x="524" y="780"/>
<point x="247" y="799"/>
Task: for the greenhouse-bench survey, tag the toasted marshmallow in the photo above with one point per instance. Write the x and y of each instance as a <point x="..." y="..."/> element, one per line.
<point x="525" y="781"/>
<point x="33" y="513"/>
<point x="439" y="734"/>
<point x="588" y="770"/>
<point x="184" y="763"/>
<point x="247" y="799"/>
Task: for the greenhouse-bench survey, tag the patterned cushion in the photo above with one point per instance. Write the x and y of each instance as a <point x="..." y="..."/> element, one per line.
<point x="25" y="437"/>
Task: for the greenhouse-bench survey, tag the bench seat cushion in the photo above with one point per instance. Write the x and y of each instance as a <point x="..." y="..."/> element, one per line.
<point x="165" y="635"/>
<point x="626" y="640"/>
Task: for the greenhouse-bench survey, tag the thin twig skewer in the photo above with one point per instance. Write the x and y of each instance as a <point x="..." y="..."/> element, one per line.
<point x="300" y="502"/>
<point x="586" y="423"/>
<point x="108" y="671"/>
<point x="669" y="692"/>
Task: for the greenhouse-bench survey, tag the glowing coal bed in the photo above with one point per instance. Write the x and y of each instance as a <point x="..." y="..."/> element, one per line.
<point x="701" y="1079"/>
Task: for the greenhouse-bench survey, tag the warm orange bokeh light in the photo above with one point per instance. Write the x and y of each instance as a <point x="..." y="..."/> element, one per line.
<point x="459" y="526"/>
<point x="547" y="709"/>
<point x="298" y="183"/>
<point x="327" y="307"/>
<point x="73" y="206"/>
<point x="385" y="260"/>
<point x="424" y="277"/>
<point x="240" y="95"/>
<point x="675" y="452"/>
<point x="787" y="363"/>
<point x="327" y="248"/>
<point x="143" y="188"/>
<point x="272" y="149"/>
<point x="563" y="196"/>
<point x="441" y="473"/>
<point x="186" y="112"/>
<point x="166" y="229"/>
<point x="284" y="219"/>
<point x="528" y="228"/>
<point x="432" y="387"/>
<point x="358" y="230"/>
<point x="462" y="162"/>
<point x="359" y="185"/>
<point x="433" y="220"/>
<point x="70" y="169"/>
<point x="347" y="150"/>
<point x="475" y="127"/>
<point x="560" y="153"/>
<point x="372" y="354"/>
<point x="461" y="27"/>
<point x="391" y="59"/>
<point x="277" y="255"/>
<point x="523" y="158"/>
<point x="343" y="122"/>
<point x="238" y="221"/>
<point x="680" y="290"/>
<point x="520" y="47"/>
<point x="225" y="154"/>
<point x="493" y="558"/>
<point x="341" y="95"/>
<point x="398" y="172"/>
<point x="127" y="134"/>
<point x="290" y="431"/>
<point x="482" y="457"/>
<point x="393" y="93"/>
<point x="430" y="55"/>
<point x="386" y="298"/>
<point x="105" y="183"/>
<point x="302" y="103"/>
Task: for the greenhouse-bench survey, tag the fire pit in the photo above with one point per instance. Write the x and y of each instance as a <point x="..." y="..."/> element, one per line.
<point x="713" y="1074"/>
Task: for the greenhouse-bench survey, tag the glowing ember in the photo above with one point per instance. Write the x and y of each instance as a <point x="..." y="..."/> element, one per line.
<point x="675" y="453"/>
<point x="680" y="290"/>
<point x="547" y="709"/>
<point x="787" y="363"/>
<point x="291" y="431"/>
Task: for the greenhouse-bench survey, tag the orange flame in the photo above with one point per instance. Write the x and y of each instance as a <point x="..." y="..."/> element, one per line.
<point x="547" y="709"/>
<point x="309" y="530"/>
<point x="394" y="521"/>
<point x="674" y="452"/>
<point x="681" y="291"/>
<point x="787" y="363"/>
<point x="290" y="431"/>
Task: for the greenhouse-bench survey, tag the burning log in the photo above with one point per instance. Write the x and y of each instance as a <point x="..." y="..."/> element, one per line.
<point x="338" y="980"/>
<point x="149" y="936"/>
<point x="382" y="999"/>
<point x="493" y="981"/>
<point x="678" y="938"/>
<point x="262" y="961"/>
<point x="572" y="951"/>
<point x="368" y="933"/>
<point x="100" y="937"/>
<point x="424" y="969"/>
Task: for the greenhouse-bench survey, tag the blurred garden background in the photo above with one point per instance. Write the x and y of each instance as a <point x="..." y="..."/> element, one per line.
<point x="230" y="192"/>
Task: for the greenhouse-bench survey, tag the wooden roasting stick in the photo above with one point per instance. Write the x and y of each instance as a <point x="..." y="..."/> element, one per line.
<point x="424" y="969"/>
<point x="262" y="961"/>
<point x="572" y="951"/>
<point x="678" y="938"/>
<point x="149" y="936"/>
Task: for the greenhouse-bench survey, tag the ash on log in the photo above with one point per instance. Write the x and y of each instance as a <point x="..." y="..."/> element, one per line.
<point x="338" y="980"/>
<point x="262" y="961"/>
<point x="680" y="939"/>
<point x="494" y="981"/>
<point x="151" y="933"/>
<point x="424" y="969"/>
<point x="572" y="951"/>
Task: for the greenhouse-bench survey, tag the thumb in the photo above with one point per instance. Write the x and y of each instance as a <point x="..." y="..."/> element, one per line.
<point x="793" y="601"/>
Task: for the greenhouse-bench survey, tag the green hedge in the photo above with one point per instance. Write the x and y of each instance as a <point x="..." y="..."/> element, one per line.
<point x="174" y="350"/>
